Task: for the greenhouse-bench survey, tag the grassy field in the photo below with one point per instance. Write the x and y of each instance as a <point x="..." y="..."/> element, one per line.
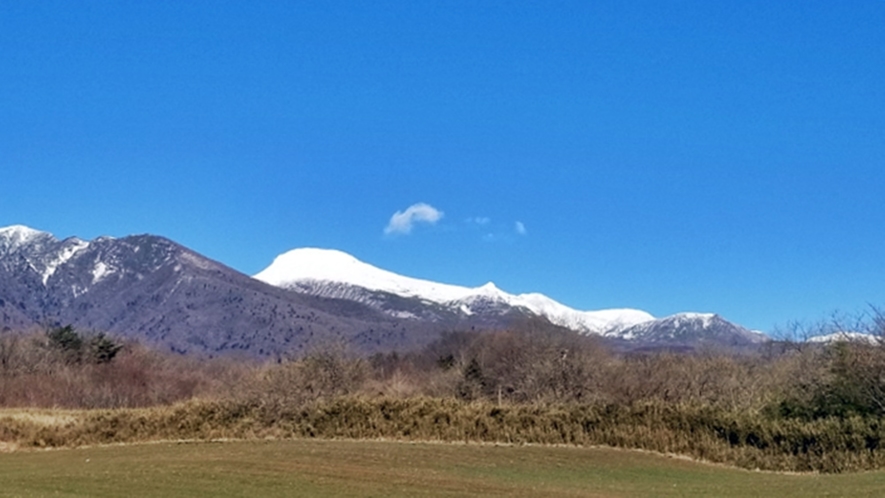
<point x="368" y="468"/>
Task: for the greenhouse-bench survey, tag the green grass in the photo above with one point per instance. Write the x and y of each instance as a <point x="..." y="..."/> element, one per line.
<point x="369" y="468"/>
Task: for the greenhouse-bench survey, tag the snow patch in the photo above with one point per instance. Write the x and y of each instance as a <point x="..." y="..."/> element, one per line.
<point x="845" y="337"/>
<point x="101" y="270"/>
<point x="404" y="315"/>
<point x="63" y="257"/>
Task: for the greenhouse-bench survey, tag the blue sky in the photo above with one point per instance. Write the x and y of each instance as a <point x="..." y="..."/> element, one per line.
<point x="667" y="156"/>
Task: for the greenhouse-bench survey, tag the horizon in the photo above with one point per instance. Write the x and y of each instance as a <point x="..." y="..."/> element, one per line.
<point x="661" y="157"/>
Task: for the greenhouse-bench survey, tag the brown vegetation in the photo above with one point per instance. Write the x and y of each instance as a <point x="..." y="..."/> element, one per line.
<point x="787" y="407"/>
<point x="37" y="372"/>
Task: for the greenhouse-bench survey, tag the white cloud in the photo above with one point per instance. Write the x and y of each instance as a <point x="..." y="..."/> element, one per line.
<point x="403" y="221"/>
<point x="520" y="228"/>
<point x="480" y="220"/>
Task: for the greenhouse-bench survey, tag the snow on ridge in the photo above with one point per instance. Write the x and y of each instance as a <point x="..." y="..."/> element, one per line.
<point x="20" y="230"/>
<point x="692" y="315"/>
<point x="706" y="319"/>
<point x="592" y="321"/>
<point x="844" y="336"/>
<point x="337" y="266"/>
<point x="329" y="265"/>
<point x="18" y="235"/>
<point x="50" y="253"/>
<point x="63" y="257"/>
<point x="489" y="290"/>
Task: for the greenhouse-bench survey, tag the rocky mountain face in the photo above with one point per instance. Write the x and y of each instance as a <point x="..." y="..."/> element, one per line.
<point x="156" y="291"/>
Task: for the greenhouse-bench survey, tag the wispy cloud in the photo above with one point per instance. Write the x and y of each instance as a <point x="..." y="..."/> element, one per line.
<point x="480" y="220"/>
<point x="402" y="222"/>
<point x="520" y="228"/>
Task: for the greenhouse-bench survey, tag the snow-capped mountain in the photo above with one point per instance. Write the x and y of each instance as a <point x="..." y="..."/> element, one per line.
<point x="692" y="329"/>
<point x="334" y="273"/>
<point x="161" y="293"/>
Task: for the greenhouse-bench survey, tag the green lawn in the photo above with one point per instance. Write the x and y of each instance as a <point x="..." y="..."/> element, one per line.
<point x="363" y="468"/>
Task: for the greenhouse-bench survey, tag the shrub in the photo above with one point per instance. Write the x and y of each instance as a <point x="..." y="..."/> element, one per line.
<point x="66" y="342"/>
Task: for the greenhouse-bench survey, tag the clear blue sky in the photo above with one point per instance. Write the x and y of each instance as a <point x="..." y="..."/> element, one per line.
<point x="667" y="156"/>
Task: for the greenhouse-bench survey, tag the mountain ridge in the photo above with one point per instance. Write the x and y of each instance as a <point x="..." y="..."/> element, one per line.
<point x="305" y="268"/>
<point x="330" y="272"/>
<point x="153" y="289"/>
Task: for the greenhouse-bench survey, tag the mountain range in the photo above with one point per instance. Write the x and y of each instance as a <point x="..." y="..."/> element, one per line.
<point x="156" y="291"/>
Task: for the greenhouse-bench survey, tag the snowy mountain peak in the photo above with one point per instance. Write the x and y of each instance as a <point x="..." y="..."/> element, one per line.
<point x="690" y="328"/>
<point x="20" y="231"/>
<point x="15" y="236"/>
<point x="489" y="290"/>
<point x="304" y="269"/>
<point x="329" y="265"/>
<point x="704" y="320"/>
